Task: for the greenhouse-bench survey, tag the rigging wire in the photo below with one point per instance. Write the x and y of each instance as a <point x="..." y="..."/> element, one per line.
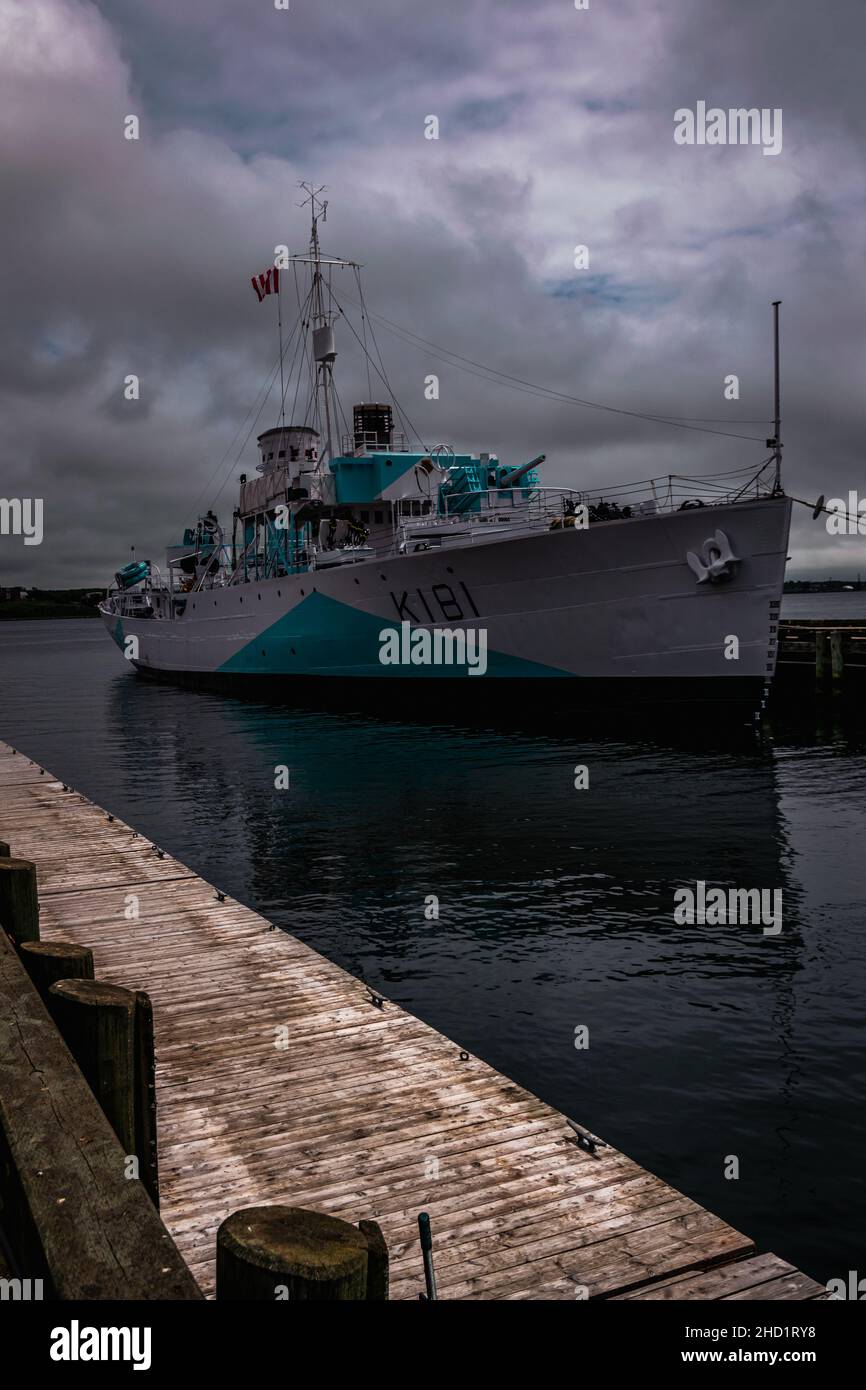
<point x="407" y="423"/>
<point x="408" y="426"/>
<point x="533" y="388"/>
<point x="267" y="388"/>
<point x="303" y="342"/>
<point x="364" y="331"/>
<point x="299" y="349"/>
<point x="342" y="413"/>
<point x="297" y="328"/>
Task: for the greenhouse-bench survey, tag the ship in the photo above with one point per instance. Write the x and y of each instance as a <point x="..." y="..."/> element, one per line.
<point x="359" y="556"/>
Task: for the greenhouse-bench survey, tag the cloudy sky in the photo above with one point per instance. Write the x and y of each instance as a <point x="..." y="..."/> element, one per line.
<point x="556" y="128"/>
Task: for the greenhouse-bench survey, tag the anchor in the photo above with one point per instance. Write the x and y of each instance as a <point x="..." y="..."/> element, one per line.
<point x="715" y="557"/>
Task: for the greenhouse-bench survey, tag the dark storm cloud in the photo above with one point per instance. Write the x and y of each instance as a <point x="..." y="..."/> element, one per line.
<point x="125" y="257"/>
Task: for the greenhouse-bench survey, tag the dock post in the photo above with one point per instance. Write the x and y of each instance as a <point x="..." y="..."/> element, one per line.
<point x="46" y="962"/>
<point x="145" y="1096"/>
<point x="277" y="1253"/>
<point x="19" y="901"/>
<point x="97" y="1022"/>
<point x="820" y="656"/>
<point x="837" y="661"/>
<point x="377" y="1262"/>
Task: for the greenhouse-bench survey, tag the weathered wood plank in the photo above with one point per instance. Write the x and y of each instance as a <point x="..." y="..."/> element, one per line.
<point x="722" y="1282"/>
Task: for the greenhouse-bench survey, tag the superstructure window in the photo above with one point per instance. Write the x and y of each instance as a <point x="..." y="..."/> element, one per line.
<point x="377" y="517"/>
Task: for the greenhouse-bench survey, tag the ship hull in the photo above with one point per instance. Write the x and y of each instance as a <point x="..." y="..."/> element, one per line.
<point x="615" y="610"/>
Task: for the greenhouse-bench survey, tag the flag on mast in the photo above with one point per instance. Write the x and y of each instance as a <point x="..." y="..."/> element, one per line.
<point x="267" y="283"/>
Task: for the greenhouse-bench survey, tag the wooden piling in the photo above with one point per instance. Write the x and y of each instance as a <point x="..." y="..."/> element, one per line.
<point x="46" y="962"/>
<point x="98" y="1026"/>
<point x="286" y="1253"/>
<point x="377" y="1261"/>
<point x="19" y="904"/>
<point x="145" y="1096"/>
<point x="5" y="851"/>
<point x="820" y="657"/>
<point x="837" y="661"/>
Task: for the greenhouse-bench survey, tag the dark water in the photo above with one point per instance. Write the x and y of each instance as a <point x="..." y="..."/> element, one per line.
<point x="556" y="905"/>
<point x="845" y="604"/>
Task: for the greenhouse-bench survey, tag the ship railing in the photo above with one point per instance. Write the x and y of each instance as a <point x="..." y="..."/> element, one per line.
<point x="507" y="504"/>
<point x="474" y="514"/>
<point x="217" y="567"/>
<point x="255" y="562"/>
<point x="613" y="501"/>
<point x="671" y="491"/>
<point x="357" y="444"/>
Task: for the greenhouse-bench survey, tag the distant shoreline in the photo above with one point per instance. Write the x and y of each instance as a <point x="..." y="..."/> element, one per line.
<point x="28" y="609"/>
<point x="21" y="603"/>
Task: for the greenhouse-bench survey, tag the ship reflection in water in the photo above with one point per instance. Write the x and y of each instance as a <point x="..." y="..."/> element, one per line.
<point x="555" y="904"/>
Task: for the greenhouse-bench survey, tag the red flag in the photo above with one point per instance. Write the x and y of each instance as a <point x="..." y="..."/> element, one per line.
<point x="264" y="284"/>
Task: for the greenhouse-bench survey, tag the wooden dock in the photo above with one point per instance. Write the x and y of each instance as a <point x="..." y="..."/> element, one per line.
<point x="280" y="1080"/>
<point x="825" y="655"/>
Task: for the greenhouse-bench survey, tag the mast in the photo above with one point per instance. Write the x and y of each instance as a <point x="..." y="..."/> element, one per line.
<point x="322" y="317"/>
<point x="282" y="381"/>
<point x="777" y="420"/>
<point x="324" y="347"/>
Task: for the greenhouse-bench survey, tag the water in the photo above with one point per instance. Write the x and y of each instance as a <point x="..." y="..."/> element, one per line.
<point x="841" y="605"/>
<point x="556" y="905"/>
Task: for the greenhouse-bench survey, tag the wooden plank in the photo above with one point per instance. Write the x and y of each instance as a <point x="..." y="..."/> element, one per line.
<point x="716" y="1283"/>
<point x="791" y="1286"/>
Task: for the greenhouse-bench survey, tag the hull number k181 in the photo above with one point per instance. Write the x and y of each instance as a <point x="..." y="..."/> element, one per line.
<point x="440" y="601"/>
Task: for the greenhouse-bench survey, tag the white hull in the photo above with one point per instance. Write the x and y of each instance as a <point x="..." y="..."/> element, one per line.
<point x="614" y="602"/>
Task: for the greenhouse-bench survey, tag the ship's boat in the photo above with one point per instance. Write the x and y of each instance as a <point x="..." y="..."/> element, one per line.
<point x="367" y="556"/>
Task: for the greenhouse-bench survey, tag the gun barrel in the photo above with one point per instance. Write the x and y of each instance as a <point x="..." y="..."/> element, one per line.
<point x="513" y="478"/>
